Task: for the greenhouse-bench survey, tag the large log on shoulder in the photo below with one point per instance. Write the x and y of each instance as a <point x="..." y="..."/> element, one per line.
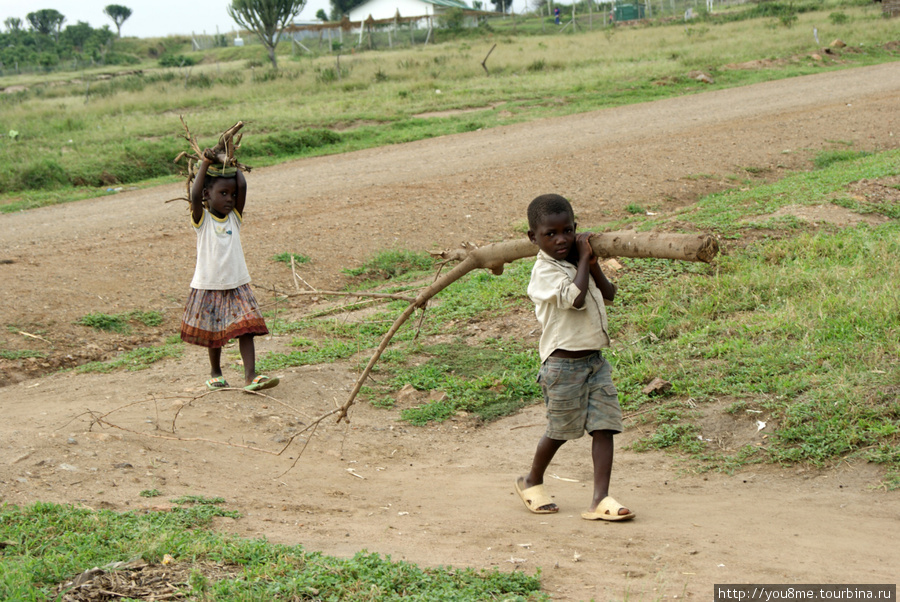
<point x="661" y="245"/>
<point x="628" y="243"/>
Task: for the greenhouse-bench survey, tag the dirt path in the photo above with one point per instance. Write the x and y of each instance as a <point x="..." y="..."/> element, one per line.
<point x="441" y="494"/>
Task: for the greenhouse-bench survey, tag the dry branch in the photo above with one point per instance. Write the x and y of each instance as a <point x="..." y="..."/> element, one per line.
<point x="684" y="247"/>
<point x="222" y="153"/>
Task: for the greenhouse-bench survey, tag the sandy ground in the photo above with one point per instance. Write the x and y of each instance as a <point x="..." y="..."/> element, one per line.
<point x="441" y="494"/>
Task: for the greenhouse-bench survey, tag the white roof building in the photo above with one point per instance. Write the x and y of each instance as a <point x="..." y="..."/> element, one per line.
<point x="387" y="9"/>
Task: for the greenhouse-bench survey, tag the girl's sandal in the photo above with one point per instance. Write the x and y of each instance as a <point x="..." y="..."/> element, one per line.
<point x="214" y="384"/>
<point x="262" y="382"/>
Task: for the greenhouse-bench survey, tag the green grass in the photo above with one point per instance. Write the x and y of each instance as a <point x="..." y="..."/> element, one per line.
<point x="136" y="359"/>
<point x="20" y="355"/>
<point x="286" y="258"/>
<point x="801" y="327"/>
<point x="120" y="323"/>
<point x="391" y="264"/>
<point x="491" y="380"/>
<point x="48" y="544"/>
<point x="730" y="212"/>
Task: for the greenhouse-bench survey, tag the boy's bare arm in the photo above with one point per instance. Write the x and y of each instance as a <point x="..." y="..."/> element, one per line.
<point x="607" y="288"/>
<point x="197" y="190"/>
<point x="241" y="191"/>
<point x="584" y="270"/>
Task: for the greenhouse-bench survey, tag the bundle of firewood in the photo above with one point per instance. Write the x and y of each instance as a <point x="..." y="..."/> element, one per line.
<point x="222" y="154"/>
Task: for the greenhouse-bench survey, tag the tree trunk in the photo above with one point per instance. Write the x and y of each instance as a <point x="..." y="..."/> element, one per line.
<point x="660" y="245"/>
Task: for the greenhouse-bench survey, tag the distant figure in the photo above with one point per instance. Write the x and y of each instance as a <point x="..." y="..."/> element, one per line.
<point x="556" y="14"/>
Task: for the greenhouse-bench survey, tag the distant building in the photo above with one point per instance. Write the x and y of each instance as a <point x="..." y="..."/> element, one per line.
<point x="388" y="9"/>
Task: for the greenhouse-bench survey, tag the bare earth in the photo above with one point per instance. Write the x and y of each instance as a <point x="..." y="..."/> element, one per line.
<point x="441" y="494"/>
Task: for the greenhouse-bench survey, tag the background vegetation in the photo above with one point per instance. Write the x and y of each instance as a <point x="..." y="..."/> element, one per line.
<point x="97" y="129"/>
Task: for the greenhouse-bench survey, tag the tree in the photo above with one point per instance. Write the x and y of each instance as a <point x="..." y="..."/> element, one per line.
<point x="321" y="15"/>
<point x="46" y="21"/>
<point x="339" y="8"/>
<point x="502" y="6"/>
<point x="13" y="24"/>
<point x="266" y="18"/>
<point x="77" y="35"/>
<point x="119" y="14"/>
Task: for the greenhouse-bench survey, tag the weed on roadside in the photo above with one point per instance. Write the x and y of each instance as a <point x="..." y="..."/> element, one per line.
<point x="286" y="258"/>
<point x="136" y="359"/>
<point x="120" y="323"/>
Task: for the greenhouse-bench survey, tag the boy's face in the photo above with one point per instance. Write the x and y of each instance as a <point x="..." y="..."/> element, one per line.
<point x="222" y="195"/>
<point x="555" y="235"/>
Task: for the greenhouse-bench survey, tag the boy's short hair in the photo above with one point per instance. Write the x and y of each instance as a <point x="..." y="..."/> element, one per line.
<point x="547" y="204"/>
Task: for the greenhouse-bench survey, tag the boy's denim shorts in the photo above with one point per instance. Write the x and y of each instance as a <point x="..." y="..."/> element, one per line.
<point x="580" y="396"/>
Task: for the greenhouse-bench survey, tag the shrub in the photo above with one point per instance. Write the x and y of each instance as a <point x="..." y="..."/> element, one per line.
<point x="838" y="18"/>
<point x="43" y="174"/>
<point x="176" y="60"/>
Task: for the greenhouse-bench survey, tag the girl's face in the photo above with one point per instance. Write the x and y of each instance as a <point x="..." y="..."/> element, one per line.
<point x="221" y="195"/>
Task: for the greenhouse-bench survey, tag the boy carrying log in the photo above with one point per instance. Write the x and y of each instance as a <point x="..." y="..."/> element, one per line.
<point x="568" y="289"/>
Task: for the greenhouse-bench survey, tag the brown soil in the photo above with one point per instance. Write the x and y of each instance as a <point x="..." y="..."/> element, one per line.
<point x="441" y="494"/>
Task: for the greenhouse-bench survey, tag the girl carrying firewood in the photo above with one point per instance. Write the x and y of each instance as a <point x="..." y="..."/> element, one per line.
<point x="221" y="305"/>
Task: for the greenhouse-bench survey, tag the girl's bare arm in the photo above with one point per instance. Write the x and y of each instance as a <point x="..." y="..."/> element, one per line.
<point x="241" y="191"/>
<point x="197" y="191"/>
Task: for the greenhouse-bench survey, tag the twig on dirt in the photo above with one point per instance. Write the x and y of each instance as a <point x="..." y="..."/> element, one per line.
<point x="527" y="426"/>
<point x="634" y="414"/>
<point x="300" y="278"/>
<point x="294" y="272"/>
<point x="102" y="420"/>
<point x="349" y="294"/>
<point x="34" y="336"/>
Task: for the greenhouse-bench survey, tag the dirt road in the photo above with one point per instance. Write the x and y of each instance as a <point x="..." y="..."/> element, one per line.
<point x="440" y="494"/>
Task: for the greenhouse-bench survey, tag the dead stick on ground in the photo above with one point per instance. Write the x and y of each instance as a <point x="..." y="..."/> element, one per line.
<point x="685" y="247"/>
<point x="486" y="58"/>
<point x="355" y="294"/>
<point x="294" y="272"/>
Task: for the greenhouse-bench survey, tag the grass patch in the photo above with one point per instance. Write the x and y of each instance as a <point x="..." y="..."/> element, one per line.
<point x="286" y="258"/>
<point x="391" y="264"/>
<point x="827" y="158"/>
<point x="48" y="544"/>
<point x="730" y="212"/>
<point x="804" y="329"/>
<point x="121" y="323"/>
<point x="20" y="355"/>
<point x="136" y="359"/>
<point x="491" y="380"/>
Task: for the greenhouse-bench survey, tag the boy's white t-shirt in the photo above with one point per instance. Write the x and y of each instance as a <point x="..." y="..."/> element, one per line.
<point x="552" y="288"/>
<point x="220" y="258"/>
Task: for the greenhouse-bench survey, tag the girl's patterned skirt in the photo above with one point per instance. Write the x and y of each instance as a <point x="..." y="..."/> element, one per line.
<point x="212" y="318"/>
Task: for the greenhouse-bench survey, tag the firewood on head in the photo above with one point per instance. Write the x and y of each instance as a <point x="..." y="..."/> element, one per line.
<point x="222" y="154"/>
